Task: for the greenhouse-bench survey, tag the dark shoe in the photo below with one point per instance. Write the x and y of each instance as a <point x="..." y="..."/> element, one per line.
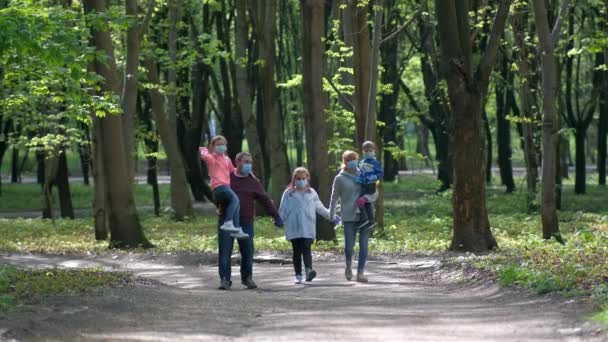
<point x="348" y="272"/>
<point x="310" y="274"/>
<point x="225" y="284"/>
<point x="250" y="284"/>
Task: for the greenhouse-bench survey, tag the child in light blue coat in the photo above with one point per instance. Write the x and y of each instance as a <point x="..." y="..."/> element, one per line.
<point x="299" y="206"/>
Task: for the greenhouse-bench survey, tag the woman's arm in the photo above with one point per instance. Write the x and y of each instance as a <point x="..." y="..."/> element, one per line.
<point x="335" y="197"/>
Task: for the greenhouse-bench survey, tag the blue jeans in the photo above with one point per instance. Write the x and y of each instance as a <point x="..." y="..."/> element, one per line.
<point x="226" y="244"/>
<point x="350" y="234"/>
<point x="224" y="195"/>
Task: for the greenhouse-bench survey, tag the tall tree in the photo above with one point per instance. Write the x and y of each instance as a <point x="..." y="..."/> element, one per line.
<point x="265" y="14"/>
<point x="125" y="228"/>
<point x="467" y="88"/>
<point x="315" y="103"/>
<point x="503" y="129"/>
<point x="521" y="37"/>
<point x="603" y="104"/>
<point x="548" y="39"/>
<point x="243" y="88"/>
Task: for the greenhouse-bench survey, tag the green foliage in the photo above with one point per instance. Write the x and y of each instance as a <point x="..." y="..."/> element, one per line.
<point x="18" y="287"/>
<point x="46" y="88"/>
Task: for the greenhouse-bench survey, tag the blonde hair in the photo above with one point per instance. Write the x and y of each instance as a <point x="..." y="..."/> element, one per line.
<point x="347" y="156"/>
<point x="217" y="138"/>
<point x="298" y="171"/>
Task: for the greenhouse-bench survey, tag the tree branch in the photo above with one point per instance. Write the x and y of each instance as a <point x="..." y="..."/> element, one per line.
<point x="146" y="23"/>
<point x="555" y="33"/>
<point x="407" y="23"/>
<point x="340" y="94"/>
<point x="498" y="28"/>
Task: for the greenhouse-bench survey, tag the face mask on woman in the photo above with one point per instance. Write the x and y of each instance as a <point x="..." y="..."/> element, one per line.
<point x="246" y="168"/>
<point x="352" y="165"/>
<point x="301" y="183"/>
<point x="220" y="149"/>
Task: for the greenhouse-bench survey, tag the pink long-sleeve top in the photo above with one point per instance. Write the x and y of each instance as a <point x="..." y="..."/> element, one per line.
<point x="219" y="166"/>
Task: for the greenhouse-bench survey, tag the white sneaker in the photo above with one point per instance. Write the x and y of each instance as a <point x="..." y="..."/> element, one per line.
<point x="298" y="279"/>
<point x="229" y="227"/>
<point x="240" y="234"/>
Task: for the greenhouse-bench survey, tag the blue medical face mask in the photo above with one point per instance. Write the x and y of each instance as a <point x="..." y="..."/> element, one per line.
<point x="221" y="149"/>
<point x="352" y="164"/>
<point x="246" y="168"/>
<point x="301" y="183"/>
<point x="369" y="154"/>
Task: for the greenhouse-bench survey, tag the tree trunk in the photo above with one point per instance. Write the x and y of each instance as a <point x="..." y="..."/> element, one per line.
<point x="388" y="106"/>
<point x="6" y="125"/>
<point x="129" y="95"/>
<point x="581" y="171"/>
<point x="198" y="122"/>
<point x="180" y="194"/>
<point x="519" y="22"/>
<point x="603" y="125"/>
<point x="466" y="90"/>
<point x="315" y="104"/>
<point x="439" y="110"/>
<point x="503" y="129"/>
<point x="15" y="176"/>
<point x="84" y="150"/>
<point x="126" y="230"/>
<point x="549" y="121"/>
<point x="275" y="142"/>
<point x="63" y="187"/>
<point x="101" y="207"/>
<point x="243" y="89"/>
<point x="145" y="116"/>
<point x="489" y="148"/>
<point x="362" y="64"/>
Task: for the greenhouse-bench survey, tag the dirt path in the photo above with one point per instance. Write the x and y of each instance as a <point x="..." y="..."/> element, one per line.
<point x="181" y="303"/>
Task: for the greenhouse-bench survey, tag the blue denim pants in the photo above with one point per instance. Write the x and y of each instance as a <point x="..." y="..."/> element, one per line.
<point x="226" y="245"/>
<point x="350" y="234"/>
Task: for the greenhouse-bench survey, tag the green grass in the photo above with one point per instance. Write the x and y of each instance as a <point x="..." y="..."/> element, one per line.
<point x="602" y="316"/>
<point x="29" y="196"/>
<point x="20" y="287"/>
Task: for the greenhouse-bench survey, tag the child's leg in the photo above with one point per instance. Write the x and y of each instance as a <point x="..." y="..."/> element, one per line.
<point x="233" y="211"/>
<point x="306" y="250"/>
<point x="307" y="253"/>
<point x="297" y="256"/>
<point x="369" y="209"/>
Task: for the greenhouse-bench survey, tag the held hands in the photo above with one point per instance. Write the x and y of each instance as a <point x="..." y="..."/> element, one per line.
<point x="336" y="220"/>
<point x="278" y="222"/>
<point x="361" y="201"/>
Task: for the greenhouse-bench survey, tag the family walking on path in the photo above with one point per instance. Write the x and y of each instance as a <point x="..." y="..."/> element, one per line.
<point x="236" y="189"/>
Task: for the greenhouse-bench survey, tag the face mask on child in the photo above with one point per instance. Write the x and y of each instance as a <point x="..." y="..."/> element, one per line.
<point x="301" y="183"/>
<point x="220" y="149"/>
<point x="352" y="164"/>
<point x="369" y="154"/>
<point x="246" y="168"/>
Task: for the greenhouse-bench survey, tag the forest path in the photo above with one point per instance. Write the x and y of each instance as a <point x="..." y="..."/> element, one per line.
<point x="400" y="303"/>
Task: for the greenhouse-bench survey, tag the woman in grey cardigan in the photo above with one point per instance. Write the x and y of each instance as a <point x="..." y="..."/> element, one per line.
<point x="345" y="190"/>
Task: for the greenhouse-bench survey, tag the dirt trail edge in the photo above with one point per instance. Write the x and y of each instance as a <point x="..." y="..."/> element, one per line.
<point x="181" y="303"/>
